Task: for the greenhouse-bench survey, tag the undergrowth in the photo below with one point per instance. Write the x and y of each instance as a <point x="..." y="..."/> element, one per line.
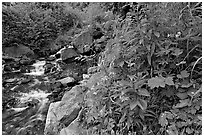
<point x="37" y="24"/>
<point x="150" y="74"/>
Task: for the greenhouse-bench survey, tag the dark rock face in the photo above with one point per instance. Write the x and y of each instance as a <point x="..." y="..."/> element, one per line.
<point x="18" y="51"/>
<point x="63" y="115"/>
<point x="83" y="42"/>
<point x="57" y="56"/>
<point x="67" y="119"/>
<point x="68" y="53"/>
<point x="97" y="33"/>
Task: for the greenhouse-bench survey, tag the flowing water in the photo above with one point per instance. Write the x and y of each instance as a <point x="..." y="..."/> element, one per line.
<point x="26" y="113"/>
<point x="26" y="96"/>
<point x="38" y="69"/>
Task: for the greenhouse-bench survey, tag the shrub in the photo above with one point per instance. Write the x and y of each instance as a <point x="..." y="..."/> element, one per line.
<point x="36" y="25"/>
<point x="151" y="67"/>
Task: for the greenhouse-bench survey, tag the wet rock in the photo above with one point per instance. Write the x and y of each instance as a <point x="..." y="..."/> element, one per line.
<point x="48" y="67"/>
<point x="57" y="90"/>
<point x="11" y="102"/>
<point x="61" y="114"/>
<point x="33" y="102"/>
<point x="68" y="53"/>
<point x="10" y="80"/>
<point x="41" y="59"/>
<point x="7" y="68"/>
<point x="51" y="121"/>
<point x="84" y="38"/>
<point x="15" y="65"/>
<point x="23" y="70"/>
<point x="66" y="80"/>
<point x="25" y="81"/>
<point x="14" y="88"/>
<point x="25" y="62"/>
<point x="56" y="85"/>
<point x="18" y="50"/>
<point x="51" y="58"/>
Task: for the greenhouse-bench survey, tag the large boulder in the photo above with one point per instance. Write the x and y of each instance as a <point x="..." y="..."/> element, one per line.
<point x="75" y="128"/>
<point x="51" y="121"/>
<point x="83" y="41"/>
<point x="68" y="53"/>
<point x="18" y="51"/>
<point x="62" y="114"/>
<point x="66" y="80"/>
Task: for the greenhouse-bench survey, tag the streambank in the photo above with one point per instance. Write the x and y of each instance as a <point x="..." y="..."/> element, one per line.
<point x="27" y="93"/>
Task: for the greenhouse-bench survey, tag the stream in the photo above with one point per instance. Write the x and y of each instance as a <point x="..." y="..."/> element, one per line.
<point x="26" y="96"/>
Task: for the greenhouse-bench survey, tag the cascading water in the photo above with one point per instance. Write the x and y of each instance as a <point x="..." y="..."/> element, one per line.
<point x="28" y="115"/>
<point x="38" y="69"/>
<point x="26" y="96"/>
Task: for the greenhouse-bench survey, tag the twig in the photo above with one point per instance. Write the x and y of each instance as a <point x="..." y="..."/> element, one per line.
<point x="194" y="66"/>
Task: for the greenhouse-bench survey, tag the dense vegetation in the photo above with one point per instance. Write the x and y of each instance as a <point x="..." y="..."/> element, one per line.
<point x="149" y="75"/>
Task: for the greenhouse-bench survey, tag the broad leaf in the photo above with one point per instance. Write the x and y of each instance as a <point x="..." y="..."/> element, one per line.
<point x="184" y="74"/>
<point x="149" y="59"/>
<point x="142" y="104"/>
<point x="139" y="83"/>
<point x="169" y="115"/>
<point x="156" y="82"/>
<point x="186" y="84"/>
<point x="182" y="95"/>
<point x="125" y="83"/>
<point x="123" y="118"/>
<point x="133" y="105"/>
<point x="177" y="51"/>
<point x="143" y="92"/>
<point x="128" y="90"/>
<point x="179" y="76"/>
<point x="183" y="103"/>
<point x="189" y="131"/>
<point x="169" y="81"/>
<point x="162" y="120"/>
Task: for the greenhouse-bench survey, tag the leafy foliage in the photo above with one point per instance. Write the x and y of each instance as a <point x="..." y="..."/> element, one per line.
<point x="36" y="25"/>
<point x="146" y="72"/>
